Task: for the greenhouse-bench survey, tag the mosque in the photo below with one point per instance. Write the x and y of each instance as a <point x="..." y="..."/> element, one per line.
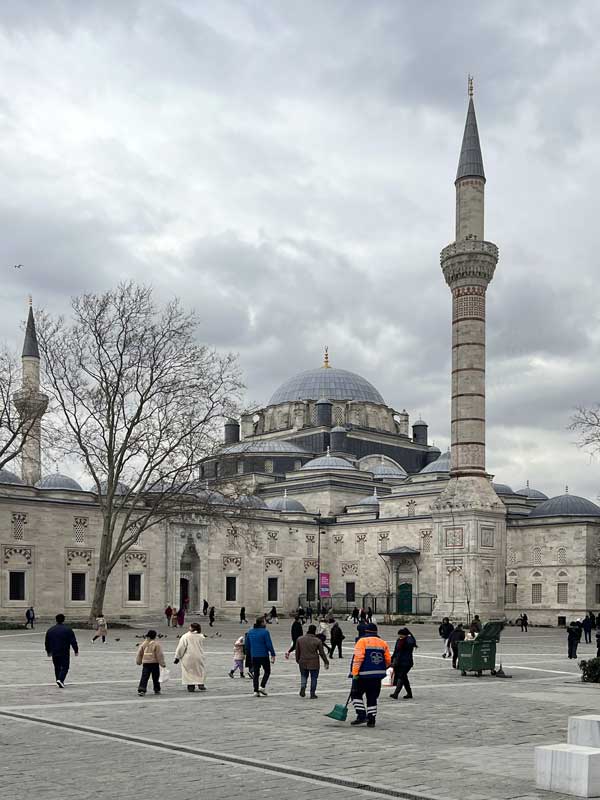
<point x="339" y="499"/>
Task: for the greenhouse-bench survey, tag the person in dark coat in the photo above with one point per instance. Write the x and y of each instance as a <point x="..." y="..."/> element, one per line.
<point x="444" y="631"/>
<point x="211" y="616"/>
<point x="457" y="635"/>
<point x="30" y="617"/>
<point x="362" y="627"/>
<point x="243" y="615"/>
<point x="587" y="629"/>
<point x="296" y="632"/>
<point x="205" y="607"/>
<point x="309" y="613"/>
<point x="168" y="615"/>
<point x="355" y="615"/>
<point x="369" y="614"/>
<point x="336" y="637"/>
<point x="58" y="643"/>
<point x="402" y="662"/>
<point x="273" y="615"/>
<point x="573" y="639"/>
<point x="181" y="617"/>
<point x="598" y="644"/>
<point x="524" y="622"/>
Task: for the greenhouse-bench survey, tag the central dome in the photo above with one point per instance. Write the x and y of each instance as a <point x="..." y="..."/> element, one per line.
<point x="328" y="382"/>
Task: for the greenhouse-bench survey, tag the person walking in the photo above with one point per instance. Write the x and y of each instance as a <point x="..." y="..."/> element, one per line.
<point x="370" y="662"/>
<point x="402" y="662"/>
<point x="598" y="643"/>
<point x="273" y="615"/>
<point x="181" y="617"/>
<point x="243" y="615"/>
<point x="309" y="613"/>
<point x="190" y="652"/>
<point x="444" y="630"/>
<point x="355" y="615"/>
<point x="58" y="643"/>
<point x="238" y="657"/>
<point x="587" y="629"/>
<point x="296" y="632"/>
<point x="324" y="633"/>
<point x="300" y="613"/>
<point x="261" y="647"/>
<point x="573" y="639"/>
<point x="369" y="614"/>
<point x="211" y="616"/>
<point x="29" y="617"/>
<point x="205" y="607"/>
<point x="309" y="651"/>
<point x="101" y="630"/>
<point x="336" y="637"/>
<point x="457" y="635"/>
<point x="151" y="658"/>
<point x="476" y="625"/>
<point x="524" y="623"/>
<point x="168" y="615"/>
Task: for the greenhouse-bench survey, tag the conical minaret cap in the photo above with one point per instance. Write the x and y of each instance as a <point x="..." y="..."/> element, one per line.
<point x="470" y="163"/>
<point x="30" y="346"/>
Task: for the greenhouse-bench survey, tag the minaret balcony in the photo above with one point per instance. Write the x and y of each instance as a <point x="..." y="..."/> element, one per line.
<point x="469" y="260"/>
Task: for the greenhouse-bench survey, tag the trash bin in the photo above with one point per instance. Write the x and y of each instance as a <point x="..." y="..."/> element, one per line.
<point x="476" y="655"/>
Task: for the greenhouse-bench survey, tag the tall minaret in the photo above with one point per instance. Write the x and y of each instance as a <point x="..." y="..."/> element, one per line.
<point x="469" y="515"/>
<point x="31" y="404"/>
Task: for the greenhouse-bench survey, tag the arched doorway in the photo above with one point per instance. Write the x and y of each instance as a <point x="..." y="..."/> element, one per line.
<point x="405" y="597"/>
<point x="189" y="577"/>
<point x="184" y="593"/>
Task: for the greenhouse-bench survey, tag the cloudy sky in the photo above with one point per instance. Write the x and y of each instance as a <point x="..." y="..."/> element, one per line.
<point x="287" y="169"/>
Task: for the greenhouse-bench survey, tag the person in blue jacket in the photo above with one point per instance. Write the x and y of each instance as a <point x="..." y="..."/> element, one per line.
<point x="261" y="647"/>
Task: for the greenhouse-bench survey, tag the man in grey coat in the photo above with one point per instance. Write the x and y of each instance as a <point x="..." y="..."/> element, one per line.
<point x="309" y="651"/>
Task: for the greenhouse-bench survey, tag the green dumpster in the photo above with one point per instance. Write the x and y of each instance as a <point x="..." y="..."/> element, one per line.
<point x="476" y="655"/>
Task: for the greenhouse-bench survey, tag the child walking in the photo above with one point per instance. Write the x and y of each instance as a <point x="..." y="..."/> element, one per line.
<point x="238" y="657"/>
<point x="101" y="629"/>
<point x="151" y="658"/>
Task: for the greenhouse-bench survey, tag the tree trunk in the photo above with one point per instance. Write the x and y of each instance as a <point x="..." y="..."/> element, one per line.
<point x="99" y="593"/>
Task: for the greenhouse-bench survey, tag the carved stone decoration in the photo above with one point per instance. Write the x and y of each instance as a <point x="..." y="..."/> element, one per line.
<point x="338" y="538"/>
<point x="231" y="562"/>
<point x="411" y="507"/>
<point x="274" y="563"/>
<point x="310" y="563"/>
<point x="272" y="535"/>
<point x="383" y="537"/>
<point x="132" y="556"/>
<point x="23" y="552"/>
<point x="311" y="538"/>
<point x="361" y="537"/>
<point x="85" y="555"/>
<point x="349" y="567"/>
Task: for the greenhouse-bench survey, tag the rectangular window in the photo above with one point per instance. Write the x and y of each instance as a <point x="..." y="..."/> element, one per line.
<point x="351" y="592"/>
<point x="272" y="589"/>
<point x="78" y="586"/>
<point x="511" y="592"/>
<point x="240" y="467"/>
<point x="231" y="588"/>
<point x="360" y="543"/>
<point x="16" y="586"/>
<point x="536" y="592"/>
<point x="310" y="545"/>
<point x="562" y="593"/>
<point x="487" y="537"/>
<point x="134" y="588"/>
<point x="311" y="590"/>
<point x="272" y="541"/>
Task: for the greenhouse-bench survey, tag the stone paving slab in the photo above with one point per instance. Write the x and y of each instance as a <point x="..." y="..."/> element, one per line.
<point x="464" y="738"/>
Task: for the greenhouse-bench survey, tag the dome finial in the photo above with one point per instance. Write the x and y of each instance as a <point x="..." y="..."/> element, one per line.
<point x="567" y="488"/>
<point x="528" y="484"/>
<point x="326" y="364"/>
<point x="470" y="85"/>
<point x="328" y="451"/>
<point x="284" y="493"/>
<point x="29" y="300"/>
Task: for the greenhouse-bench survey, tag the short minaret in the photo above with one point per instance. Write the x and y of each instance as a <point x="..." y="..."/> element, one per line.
<point x="470" y="518"/>
<point x="31" y="404"/>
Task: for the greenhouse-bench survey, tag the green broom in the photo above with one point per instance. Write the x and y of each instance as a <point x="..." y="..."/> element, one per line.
<point x="339" y="711"/>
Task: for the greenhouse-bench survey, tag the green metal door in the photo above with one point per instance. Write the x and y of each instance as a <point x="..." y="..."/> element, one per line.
<point x="405" y="598"/>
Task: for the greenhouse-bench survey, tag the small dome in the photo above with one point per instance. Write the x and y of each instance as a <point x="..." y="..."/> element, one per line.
<point x="371" y="500"/>
<point x="566" y="505"/>
<point x="388" y="469"/>
<point x="264" y="446"/>
<point x="8" y="477"/>
<point x="58" y="481"/>
<point x="285" y="503"/>
<point x="441" y="464"/>
<point x="326" y="382"/>
<point x="532" y="494"/>
<point x="328" y="462"/>
<point x="323" y="401"/>
<point x="121" y="488"/>
<point x="421" y="423"/>
<point x="211" y="497"/>
<point x="502" y="488"/>
<point x="339" y="429"/>
<point x="250" y="501"/>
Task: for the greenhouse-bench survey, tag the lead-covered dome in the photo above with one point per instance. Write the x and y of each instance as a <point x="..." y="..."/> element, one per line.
<point x="566" y="505"/>
<point x="264" y="446"/>
<point x="531" y="494"/>
<point x="328" y="383"/>
<point x="285" y="503"/>
<point x="328" y="462"/>
<point x="441" y="464"/>
<point x="6" y="476"/>
<point x="58" y="481"/>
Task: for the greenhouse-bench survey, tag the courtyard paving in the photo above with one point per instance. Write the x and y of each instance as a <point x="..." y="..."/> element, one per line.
<point x="461" y="738"/>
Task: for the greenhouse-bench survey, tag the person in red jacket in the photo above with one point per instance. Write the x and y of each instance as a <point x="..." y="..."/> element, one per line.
<point x="370" y="661"/>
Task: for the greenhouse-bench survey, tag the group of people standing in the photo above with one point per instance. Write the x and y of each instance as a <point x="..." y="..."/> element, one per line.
<point x="452" y="635"/>
<point x="583" y="627"/>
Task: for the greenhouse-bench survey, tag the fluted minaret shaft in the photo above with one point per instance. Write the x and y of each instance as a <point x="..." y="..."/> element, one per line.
<point x="468" y="266"/>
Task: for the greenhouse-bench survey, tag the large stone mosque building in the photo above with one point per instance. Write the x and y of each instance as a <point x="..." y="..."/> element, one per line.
<point x="329" y="480"/>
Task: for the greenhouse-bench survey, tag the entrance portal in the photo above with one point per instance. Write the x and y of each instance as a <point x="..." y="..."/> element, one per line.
<point x="405" y="598"/>
<point x="189" y="577"/>
<point x="184" y="593"/>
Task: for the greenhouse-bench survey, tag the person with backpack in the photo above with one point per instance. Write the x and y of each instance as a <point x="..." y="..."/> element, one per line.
<point x="402" y="662"/>
<point x="370" y="662"/>
<point x="151" y="658"/>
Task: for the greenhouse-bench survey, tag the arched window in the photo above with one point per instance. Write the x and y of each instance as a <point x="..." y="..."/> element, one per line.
<point x="562" y="555"/>
<point x="537" y="556"/>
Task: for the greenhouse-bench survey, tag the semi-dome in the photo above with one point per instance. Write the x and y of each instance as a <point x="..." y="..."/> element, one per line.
<point x="566" y="505"/>
<point x="58" y="481"/>
<point x="285" y="503"/>
<point x="329" y="383"/>
<point x="371" y="500"/>
<point x="250" y="501"/>
<point x="328" y="462"/>
<point x="502" y="488"/>
<point x="388" y="469"/>
<point x="8" y="477"/>
<point x="531" y="494"/>
<point x="264" y="446"/>
<point x="441" y="464"/>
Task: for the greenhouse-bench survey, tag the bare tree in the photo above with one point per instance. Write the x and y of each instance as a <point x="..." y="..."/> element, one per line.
<point x="142" y="404"/>
<point x="20" y="408"/>
<point x="586" y="423"/>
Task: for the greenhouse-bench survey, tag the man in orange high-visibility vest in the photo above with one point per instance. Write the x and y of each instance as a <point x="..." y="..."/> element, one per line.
<point x="370" y="661"/>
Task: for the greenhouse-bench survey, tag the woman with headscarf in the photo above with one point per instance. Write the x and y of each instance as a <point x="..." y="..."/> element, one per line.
<point x="402" y="661"/>
<point x="190" y="652"/>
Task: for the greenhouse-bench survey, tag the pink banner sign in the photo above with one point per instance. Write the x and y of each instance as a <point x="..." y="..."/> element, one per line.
<point x="324" y="584"/>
